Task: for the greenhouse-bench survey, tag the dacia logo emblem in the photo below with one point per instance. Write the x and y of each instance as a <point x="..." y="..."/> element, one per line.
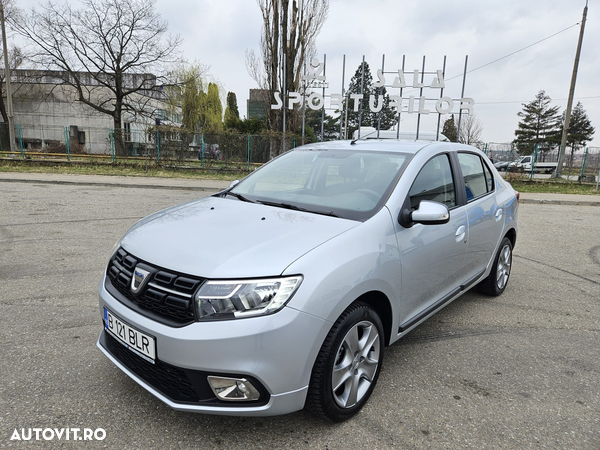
<point x="139" y="280"/>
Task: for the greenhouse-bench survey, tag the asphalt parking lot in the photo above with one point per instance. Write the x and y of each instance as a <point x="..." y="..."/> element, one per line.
<point x="514" y="372"/>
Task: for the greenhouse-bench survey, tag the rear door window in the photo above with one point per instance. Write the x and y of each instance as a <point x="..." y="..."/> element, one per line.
<point x="477" y="182"/>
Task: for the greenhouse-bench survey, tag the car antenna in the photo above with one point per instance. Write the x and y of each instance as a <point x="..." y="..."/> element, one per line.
<point x="353" y="142"/>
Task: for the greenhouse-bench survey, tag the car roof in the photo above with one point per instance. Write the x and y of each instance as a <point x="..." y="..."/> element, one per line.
<point x="380" y="145"/>
<point x="388" y="145"/>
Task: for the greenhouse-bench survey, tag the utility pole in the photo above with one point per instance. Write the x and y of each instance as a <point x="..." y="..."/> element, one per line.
<point x="563" y="141"/>
<point x="9" y="105"/>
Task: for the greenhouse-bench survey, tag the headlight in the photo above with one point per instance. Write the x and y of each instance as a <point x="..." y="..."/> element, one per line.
<point x="244" y="298"/>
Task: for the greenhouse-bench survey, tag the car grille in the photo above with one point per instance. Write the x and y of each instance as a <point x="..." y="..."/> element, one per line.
<point x="178" y="384"/>
<point x="167" y="379"/>
<point x="167" y="296"/>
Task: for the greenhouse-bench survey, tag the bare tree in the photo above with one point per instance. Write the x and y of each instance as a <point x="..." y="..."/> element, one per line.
<point x="15" y="59"/>
<point x="15" y="54"/>
<point x="106" y="51"/>
<point x="470" y="130"/>
<point x="290" y="28"/>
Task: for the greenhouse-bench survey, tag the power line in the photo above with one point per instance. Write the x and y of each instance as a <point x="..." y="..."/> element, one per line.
<point x="517" y="51"/>
<point x="506" y="56"/>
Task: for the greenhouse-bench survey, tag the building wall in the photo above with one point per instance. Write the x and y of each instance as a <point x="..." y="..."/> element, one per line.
<point x="44" y="109"/>
<point x="258" y="104"/>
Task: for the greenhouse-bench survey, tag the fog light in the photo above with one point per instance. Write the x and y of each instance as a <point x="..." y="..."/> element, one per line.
<point x="233" y="389"/>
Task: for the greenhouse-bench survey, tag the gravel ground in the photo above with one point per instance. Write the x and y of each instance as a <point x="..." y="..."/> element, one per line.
<point x="514" y="372"/>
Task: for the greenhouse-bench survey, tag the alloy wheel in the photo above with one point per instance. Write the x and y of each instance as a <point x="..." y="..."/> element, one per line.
<point x="356" y="364"/>
<point x="503" y="269"/>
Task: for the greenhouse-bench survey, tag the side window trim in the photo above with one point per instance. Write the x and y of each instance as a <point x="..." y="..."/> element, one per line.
<point x="452" y="172"/>
<point x="459" y="181"/>
<point x="487" y="171"/>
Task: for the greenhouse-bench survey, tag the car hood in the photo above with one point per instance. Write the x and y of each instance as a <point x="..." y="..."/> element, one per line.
<point x="226" y="238"/>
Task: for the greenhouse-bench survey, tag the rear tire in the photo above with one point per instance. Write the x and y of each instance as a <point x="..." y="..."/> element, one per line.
<point x="495" y="283"/>
<point x="348" y="365"/>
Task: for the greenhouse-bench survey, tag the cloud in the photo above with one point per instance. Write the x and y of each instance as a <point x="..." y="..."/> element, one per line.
<point x="218" y="32"/>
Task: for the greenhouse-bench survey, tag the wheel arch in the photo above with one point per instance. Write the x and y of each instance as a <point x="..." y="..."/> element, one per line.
<point x="380" y="303"/>
<point x="512" y="236"/>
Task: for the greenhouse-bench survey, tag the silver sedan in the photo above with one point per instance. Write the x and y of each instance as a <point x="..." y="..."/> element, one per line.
<point x="282" y="291"/>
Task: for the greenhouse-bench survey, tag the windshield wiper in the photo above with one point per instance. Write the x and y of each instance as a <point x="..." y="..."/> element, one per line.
<point x="298" y="208"/>
<point x="239" y="196"/>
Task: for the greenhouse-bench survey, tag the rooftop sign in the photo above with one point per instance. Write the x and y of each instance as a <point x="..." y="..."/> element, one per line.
<point x="315" y="79"/>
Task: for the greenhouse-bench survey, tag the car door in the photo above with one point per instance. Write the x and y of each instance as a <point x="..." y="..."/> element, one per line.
<point x="432" y="256"/>
<point x="485" y="218"/>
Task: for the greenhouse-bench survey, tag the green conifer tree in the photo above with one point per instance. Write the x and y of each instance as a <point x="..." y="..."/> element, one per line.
<point x="232" y="115"/>
<point x="580" y="130"/>
<point x="540" y="125"/>
<point x="449" y="130"/>
<point x="213" y="120"/>
<point x="384" y="119"/>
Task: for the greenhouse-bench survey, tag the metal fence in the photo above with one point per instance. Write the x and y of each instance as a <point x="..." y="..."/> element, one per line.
<point x="176" y="148"/>
<point x="167" y="146"/>
<point x="590" y="165"/>
<point x="581" y="164"/>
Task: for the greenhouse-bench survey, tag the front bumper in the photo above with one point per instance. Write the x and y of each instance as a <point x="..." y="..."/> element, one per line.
<point x="278" y="351"/>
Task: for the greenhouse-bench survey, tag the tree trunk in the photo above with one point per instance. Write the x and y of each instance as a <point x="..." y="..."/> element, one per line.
<point x="4" y="132"/>
<point x="274" y="54"/>
<point x="3" y="109"/>
<point x="118" y="132"/>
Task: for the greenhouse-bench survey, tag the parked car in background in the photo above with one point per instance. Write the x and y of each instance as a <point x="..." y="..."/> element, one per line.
<point x="315" y="263"/>
<point x="211" y="151"/>
<point x="502" y="166"/>
<point x="524" y="163"/>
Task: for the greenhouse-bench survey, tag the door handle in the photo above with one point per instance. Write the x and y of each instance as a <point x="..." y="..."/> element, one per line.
<point x="460" y="233"/>
<point x="499" y="213"/>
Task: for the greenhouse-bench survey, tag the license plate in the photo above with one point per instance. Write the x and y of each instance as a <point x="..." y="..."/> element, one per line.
<point x="136" y="341"/>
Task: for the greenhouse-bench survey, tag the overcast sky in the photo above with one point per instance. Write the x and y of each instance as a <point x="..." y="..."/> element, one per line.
<point x="218" y="32"/>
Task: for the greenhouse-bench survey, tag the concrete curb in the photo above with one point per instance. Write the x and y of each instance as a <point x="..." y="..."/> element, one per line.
<point x="531" y="200"/>
<point x="559" y="202"/>
<point x="123" y="185"/>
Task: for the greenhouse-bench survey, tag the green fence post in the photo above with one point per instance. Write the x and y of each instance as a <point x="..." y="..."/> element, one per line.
<point x="202" y="139"/>
<point x="585" y="155"/>
<point x="533" y="161"/>
<point x="112" y="144"/>
<point x="21" y="141"/>
<point x="157" y="146"/>
<point x="67" y="143"/>
<point x="248" y="153"/>
<point x="90" y="141"/>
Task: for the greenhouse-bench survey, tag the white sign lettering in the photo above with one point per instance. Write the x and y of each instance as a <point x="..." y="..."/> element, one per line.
<point x="315" y="78"/>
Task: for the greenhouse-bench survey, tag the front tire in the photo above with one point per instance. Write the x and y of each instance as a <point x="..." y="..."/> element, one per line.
<point x="348" y="365"/>
<point x="497" y="280"/>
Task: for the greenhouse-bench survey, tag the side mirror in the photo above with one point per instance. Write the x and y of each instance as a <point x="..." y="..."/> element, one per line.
<point x="428" y="213"/>
<point x="233" y="183"/>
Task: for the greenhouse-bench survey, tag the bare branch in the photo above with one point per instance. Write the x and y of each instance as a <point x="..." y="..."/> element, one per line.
<point x="110" y="51"/>
<point x="290" y="28"/>
<point x="470" y="129"/>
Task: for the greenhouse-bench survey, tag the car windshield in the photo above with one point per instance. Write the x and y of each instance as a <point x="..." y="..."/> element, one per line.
<point x="343" y="183"/>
